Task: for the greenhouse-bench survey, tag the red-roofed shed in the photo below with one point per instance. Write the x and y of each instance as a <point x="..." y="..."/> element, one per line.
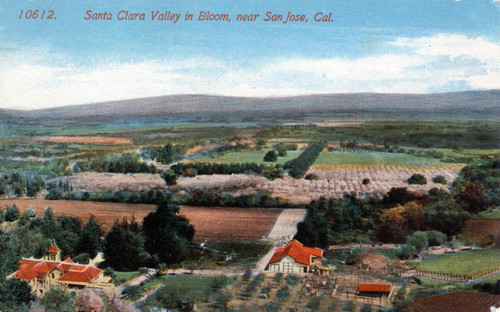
<point x="374" y="288"/>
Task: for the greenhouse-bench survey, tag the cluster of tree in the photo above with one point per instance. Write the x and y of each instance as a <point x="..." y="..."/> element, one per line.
<point x="476" y="187"/>
<point x="228" y="148"/>
<point x="400" y="213"/>
<point x="349" y="145"/>
<point x="285" y="147"/>
<point x="330" y="221"/>
<point x="208" y="199"/>
<point x="282" y="148"/>
<point x="269" y="172"/>
<point x="18" y="185"/>
<point x="271" y="156"/>
<point x="124" y="163"/>
<point x="163" y="238"/>
<point x="33" y="237"/>
<point x="417" y="178"/>
<point x="53" y="168"/>
<point x="166" y="154"/>
<point x="149" y="197"/>
<point x="297" y="167"/>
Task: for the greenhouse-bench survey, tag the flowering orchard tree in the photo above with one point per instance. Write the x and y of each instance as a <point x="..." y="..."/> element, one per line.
<point x="89" y="301"/>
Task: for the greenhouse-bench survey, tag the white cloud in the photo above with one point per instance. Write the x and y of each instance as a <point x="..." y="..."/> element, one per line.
<point x="445" y="62"/>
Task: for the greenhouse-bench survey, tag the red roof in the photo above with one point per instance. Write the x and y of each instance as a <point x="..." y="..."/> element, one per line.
<point x="26" y="274"/>
<point x="44" y="267"/>
<point x="53" y="248"/>
<point x="34" y="268"/>
<point x="28" y="263"/>
<point x="64" y="267"/>
<point x="78" y="268"/>
<point x="298" y="252"/>
<point x="85" y="276"/>
<point x="374" y="288"/>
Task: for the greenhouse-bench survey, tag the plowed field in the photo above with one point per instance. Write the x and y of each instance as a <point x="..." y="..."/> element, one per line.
<point x="86" y="140"/>
<point x="212" y="224"/>
<point x="464" y="301"/>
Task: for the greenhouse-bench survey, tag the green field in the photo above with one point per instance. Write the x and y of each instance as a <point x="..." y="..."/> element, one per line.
<point x="372" y="158"/>
<point x="123" y="277"/>
<point x="473" y="264"/>
<point x="251" y="156"/>
<point x="224" y="254"/>
<point x="179" y="288"/>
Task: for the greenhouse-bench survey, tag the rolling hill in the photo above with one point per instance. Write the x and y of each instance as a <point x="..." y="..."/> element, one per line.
<point x="455" y="105"/>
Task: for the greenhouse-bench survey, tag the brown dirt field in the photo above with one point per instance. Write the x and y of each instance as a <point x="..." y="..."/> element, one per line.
<point x="483" y="231"/>
<point x="212" y="224"/>
<point x="86" y="140"/>
<point x="230" y="224"/>
<point x="463" y="301"/>
<point x="373" y="261"/>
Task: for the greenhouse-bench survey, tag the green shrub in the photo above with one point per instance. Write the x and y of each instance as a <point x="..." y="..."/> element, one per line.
<point x="246" y="276"/>
<point x="313" y="304"/>
<point x="292" y="281"/>
<point x="366" y="308"/>
<point x="12" y="213"/>
<point x="419" y="240"/>
<point x="436" y="238"/>
<point x="417" y="179"/>
<point x="272" y="307"/>
<point x="271" y="156"/>
<point x="278" y="277"/>
<point x="348" y="306"/>
<point x="282" y="294"/>
<point x="132" y="292"/>
<point x="439" y="180"/>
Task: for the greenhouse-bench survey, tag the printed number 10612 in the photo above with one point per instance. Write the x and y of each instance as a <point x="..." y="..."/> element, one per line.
<point x="37" y="14"/>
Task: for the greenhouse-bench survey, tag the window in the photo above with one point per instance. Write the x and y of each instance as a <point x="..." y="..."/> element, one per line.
<point x="287" y="267"/>
<point x="275" y="267"/>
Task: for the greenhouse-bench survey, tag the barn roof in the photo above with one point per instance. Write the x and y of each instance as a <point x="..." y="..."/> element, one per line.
<point x="375" y="288"/>
<point x="297" y="251"/>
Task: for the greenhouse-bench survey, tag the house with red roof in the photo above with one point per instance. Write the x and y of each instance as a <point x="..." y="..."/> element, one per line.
<point x="294" y="258"/>
<point x="50" y="271"/>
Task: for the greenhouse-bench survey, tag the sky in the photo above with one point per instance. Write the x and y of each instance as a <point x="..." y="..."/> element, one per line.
<point x="390" y="46"/>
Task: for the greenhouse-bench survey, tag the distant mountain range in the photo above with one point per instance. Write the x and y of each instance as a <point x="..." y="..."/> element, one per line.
<point x="455" y="105"/>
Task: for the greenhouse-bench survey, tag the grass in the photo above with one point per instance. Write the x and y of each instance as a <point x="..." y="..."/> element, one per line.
<point x="224" y="254"/>
<point x="179" y="288"/>
<point x="391" y="254"/>
<point x="473" y="264"/>
<point x="123" y="277"/>
<point x="373" y="158"/>
<point x="252" y="156"/>
<point x="491" y="214"/>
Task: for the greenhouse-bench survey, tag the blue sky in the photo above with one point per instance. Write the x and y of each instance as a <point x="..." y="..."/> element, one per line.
<point x="401" y="46"/>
